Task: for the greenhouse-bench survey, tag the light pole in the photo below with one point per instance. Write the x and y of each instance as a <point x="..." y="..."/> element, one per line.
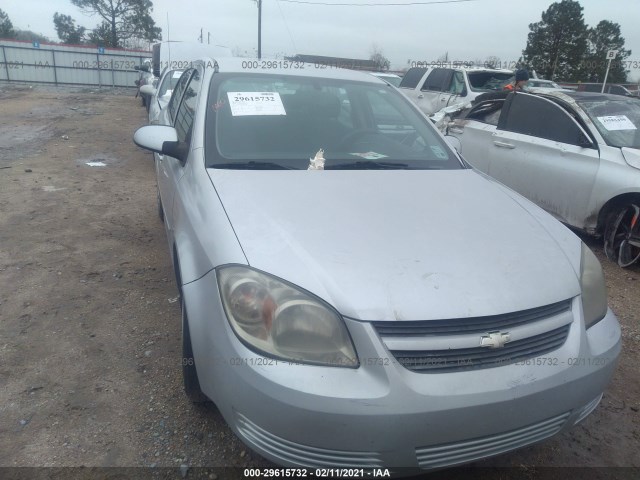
<point x="259" y="28"/>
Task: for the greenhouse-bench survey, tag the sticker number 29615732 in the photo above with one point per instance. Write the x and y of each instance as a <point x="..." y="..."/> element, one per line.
<point x="255" y="103"/>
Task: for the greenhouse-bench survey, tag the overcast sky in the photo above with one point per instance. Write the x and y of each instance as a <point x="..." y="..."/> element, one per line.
<point x="467" y="30"/>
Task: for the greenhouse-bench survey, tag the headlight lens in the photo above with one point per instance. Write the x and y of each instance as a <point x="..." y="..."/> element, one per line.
<point x="594" y="290"/>
<point x="282" y="321"/>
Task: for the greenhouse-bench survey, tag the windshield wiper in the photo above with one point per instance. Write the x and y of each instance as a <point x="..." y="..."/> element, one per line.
<point x="252" y="166"/>
<point x="368" y="165"/>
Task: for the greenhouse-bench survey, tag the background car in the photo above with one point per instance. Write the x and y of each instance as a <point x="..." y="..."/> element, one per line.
<point x="344" y="275"/>
<point x="145" y="78"/>
<point x="575" y="154"/>
<point x="609" y="88"/>
<point x="159" y="97"/>
<point x="391" y="78"/>
<point x="539" y="83"/>
<point x="435" y="88"/>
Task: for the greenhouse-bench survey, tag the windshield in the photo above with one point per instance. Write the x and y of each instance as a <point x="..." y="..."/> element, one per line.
<point x="169" y="83"/>
<point x="484" y="81"/>
<point x="275" y="121"/>
<point x="618" y="121"/>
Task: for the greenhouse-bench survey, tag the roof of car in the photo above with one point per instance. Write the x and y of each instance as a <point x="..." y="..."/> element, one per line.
<point x="567" y="96"/>
<point x="484" y="69"/>
<point x="264" y="66"/>
<point x="582" y="96"/>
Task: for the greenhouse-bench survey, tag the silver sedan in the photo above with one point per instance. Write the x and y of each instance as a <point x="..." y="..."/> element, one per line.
<point x="575" y="154"/>
<point x="353" y="294"/>
<point x="160" y="94"/>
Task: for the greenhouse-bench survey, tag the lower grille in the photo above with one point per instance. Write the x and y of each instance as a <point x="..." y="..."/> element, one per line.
<point x="294" y="453"/>
<point x="588" y="408"/>
<point x="475" y="449"/>
<point x="481" y="357"/>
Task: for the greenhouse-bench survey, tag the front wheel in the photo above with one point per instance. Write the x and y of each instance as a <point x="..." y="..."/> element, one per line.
<point x="622" y="235"/>
<point x="189" y="372"/>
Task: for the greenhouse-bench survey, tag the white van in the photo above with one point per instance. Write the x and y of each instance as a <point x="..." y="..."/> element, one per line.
<point x="179" y="55"/>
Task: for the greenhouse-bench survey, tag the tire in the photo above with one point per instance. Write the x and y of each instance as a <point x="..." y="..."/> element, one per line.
<point x="189" y="372"/>
<point x="622" y="235"/>
<point x="160" y="208"/>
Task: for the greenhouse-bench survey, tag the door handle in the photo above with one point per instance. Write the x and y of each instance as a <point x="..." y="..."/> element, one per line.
<point x="504" y="145"/>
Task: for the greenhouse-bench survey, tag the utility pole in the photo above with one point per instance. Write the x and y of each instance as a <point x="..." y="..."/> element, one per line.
<point x="259" y="29"/>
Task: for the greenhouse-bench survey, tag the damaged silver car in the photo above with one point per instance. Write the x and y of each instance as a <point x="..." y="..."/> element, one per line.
<point x="575" y="154"/>
<point x="353" y="294"/>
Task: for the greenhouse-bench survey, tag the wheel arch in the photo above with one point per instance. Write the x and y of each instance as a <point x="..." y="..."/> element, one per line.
<point x="611" y="206"/>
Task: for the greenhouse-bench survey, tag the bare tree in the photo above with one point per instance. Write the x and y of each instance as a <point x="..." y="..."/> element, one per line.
<point x="378" y="57"/>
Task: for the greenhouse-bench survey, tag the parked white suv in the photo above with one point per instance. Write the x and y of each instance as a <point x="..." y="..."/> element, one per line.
<point x="435" y="88"/>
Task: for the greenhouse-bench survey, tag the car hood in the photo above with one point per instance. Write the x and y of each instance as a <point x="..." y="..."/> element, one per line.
<point x="401" y="244"/>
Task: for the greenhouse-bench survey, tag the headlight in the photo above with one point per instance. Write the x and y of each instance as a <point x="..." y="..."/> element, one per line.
<point x="279" y="320"/>
<point x="594" y="291"/>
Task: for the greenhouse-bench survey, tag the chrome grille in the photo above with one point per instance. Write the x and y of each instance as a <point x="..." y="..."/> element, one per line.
<point x="457" y="326"/>
<point x="481" y="357"/>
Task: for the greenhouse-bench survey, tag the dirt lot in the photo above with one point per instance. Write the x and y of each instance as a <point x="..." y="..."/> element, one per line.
<point x="89" y="323"/>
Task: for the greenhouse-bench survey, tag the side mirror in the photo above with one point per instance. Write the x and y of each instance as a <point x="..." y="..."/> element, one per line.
<point x="147" y="90"/>
<point x="160" y="139"/>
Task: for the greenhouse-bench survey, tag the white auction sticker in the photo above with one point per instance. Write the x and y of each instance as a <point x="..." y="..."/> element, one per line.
<point x="255" y="103"/>
<point x="617" y="122"/>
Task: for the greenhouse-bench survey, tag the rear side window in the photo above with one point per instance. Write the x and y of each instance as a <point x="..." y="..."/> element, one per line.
<point x="541" y="118"/>
<point x="412" y="77"/>
<point x="437" y="79"/>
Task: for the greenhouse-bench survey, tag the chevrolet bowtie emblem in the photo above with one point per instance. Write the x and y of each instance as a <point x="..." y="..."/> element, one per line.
<point x="494" y="340"/>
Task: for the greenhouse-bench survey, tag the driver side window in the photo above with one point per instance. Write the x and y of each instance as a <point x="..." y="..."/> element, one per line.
<point x="457" y="86"/>
<point x="174" y="103"/>
<point x="539" y="117"/>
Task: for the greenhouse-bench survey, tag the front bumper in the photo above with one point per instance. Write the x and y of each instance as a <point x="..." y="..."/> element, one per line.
<point x="382" y="414"/>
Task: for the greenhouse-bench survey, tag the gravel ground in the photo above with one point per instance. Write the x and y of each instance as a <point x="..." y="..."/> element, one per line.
<point x="90" y="325"/>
